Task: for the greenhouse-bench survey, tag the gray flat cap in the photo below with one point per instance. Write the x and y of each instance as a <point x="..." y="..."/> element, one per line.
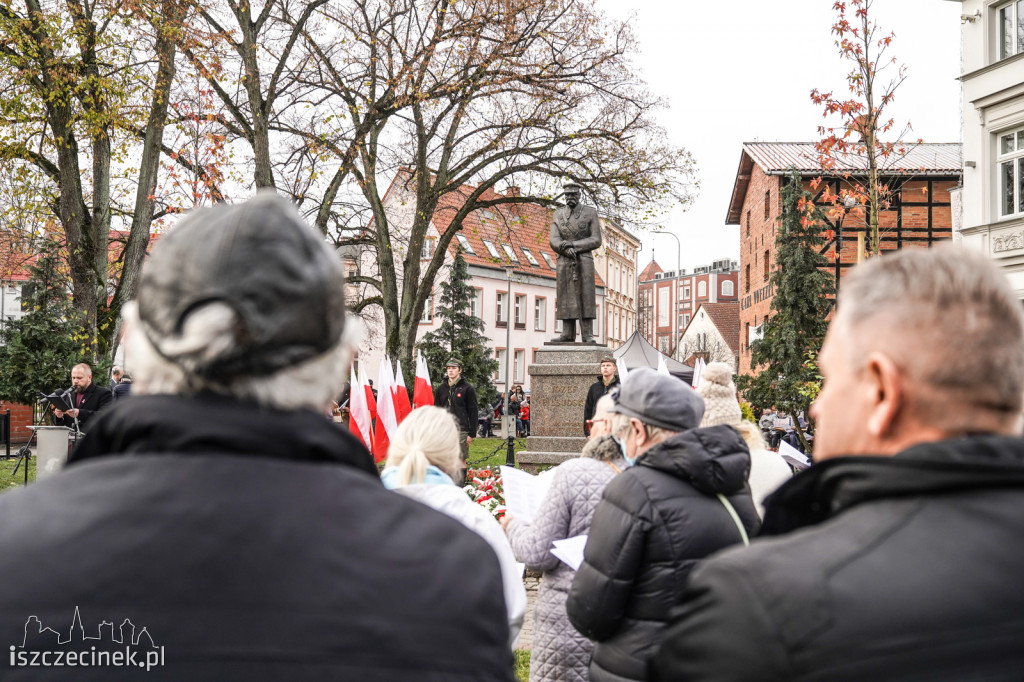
<point x="659" y="400"/>
<point x="264" y="262"/>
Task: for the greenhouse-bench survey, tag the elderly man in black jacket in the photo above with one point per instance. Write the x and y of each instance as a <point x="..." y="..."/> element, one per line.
<point x="685" y="497"/>
<point x="898" y="555"/>
<point x="218" y="511"/>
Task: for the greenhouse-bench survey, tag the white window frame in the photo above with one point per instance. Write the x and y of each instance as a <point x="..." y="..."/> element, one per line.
<point x="501" y="308"/>
<point x="664" y="306"/>
<point x="519" y="365"/>
<point x="702" y="289"/>
<point x="464" y="243"/>
<point x="548" y="259"/>
<point x="529" y="256"/>
<point x="476" y="308"/>
<point x="427" y="251"/>
<point x="510" y="252"/>
<point x="428" y="311"/>
<point x="500" y="354"/>
<point x="519" y="303"/>
<point x="491" y="248"/>
<point x="540" y="313"/>
<point x="1014" y="159"/>
<point x="728" y="288"/>
<point x="1012" y="11"/>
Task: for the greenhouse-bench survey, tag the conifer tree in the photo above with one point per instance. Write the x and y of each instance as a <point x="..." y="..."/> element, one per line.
<point x="796" y="326"/>
<point x="460" y="335"/>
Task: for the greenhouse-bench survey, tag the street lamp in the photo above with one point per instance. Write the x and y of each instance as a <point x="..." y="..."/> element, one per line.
<point x="510" y="422"/>
<point x="675" y="286"/>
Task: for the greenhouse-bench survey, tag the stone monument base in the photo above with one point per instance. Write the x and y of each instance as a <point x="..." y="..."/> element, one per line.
<point x="559" y="381"/>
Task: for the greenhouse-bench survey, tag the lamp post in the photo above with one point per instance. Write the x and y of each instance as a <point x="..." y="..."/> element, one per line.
<point x="510" y="421"/>
<point x="675" y="293"/>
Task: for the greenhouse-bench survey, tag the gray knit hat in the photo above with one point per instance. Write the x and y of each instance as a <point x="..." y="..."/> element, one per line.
<point x="719" y="393"/>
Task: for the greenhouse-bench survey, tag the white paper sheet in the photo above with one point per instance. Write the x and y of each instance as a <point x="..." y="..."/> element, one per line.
<point x="523" y="493"/>
<point x="787" y="450"/>
<point x="570" y="550"/>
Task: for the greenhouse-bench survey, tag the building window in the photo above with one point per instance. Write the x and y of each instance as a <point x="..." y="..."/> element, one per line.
<point x="727" y="288"/>
<point x="540" y="313"/>
<point x="686" y="292"/>
<point x="746" y="334"/>
<point x="427" y="252"/>
<point x="510" y="252"/>
<point x="501" y="309"/>
<point x="500" y="354"/>
<point x="1011" y="29"/>
<point x="428" y="310"/>
<point x="490" y="248"/>
<point x="767" y="264"/>
<point x="547" y="259"/>
<point x="767" y="203"/>
<point x="663" y="344"/>
<point x="702" y="289"/>
<point x="520" y="311"/>
<point x="686" y="320"/>
<point x="519" y="366"/>
<point x="558" y="326"/>
<point x="1010" y="162"/>
<point x="464" y="243"/>
<point x="529" y="257"/>
<point x="664" y="313"/>
<point x="747" y="277"/>
<point x="748" y="224"/>
<point x="476" y="303"/>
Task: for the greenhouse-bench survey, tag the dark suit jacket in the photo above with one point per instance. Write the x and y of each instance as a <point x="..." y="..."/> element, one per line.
<point x="94" y="399"/>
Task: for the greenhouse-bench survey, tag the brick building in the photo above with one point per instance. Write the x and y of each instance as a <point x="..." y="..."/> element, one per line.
<point x="662" y="292"/>
<point x="917" y="215"/>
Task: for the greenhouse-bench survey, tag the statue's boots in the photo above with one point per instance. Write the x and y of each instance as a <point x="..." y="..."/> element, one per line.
<point x="587" y="331"/>
<point x="568" y="332"/>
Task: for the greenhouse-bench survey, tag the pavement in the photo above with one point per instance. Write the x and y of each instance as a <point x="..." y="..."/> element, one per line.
<point x="531" y="581"/>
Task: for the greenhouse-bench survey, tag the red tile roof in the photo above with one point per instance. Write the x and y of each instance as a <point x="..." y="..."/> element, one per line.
<point x="726" y="318"/>
<point x="650" y="271"/>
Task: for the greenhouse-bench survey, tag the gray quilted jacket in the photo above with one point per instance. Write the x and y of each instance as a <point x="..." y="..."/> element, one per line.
<point x="559" y="652"/>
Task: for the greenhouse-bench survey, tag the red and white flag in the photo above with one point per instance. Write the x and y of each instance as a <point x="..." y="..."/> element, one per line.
<point x="698" y="369"/>
<point x="359" y="422"/>
<point x="387" y="421"/>
<point x="422" y="391"/>
<point x="402" y="405"/>
<point x="371" y="402"/>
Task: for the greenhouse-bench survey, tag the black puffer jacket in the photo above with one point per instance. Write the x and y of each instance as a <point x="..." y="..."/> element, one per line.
<point x="252" y="544"/>
<point x="891" y="568"/>
<point x="655" y="521"/>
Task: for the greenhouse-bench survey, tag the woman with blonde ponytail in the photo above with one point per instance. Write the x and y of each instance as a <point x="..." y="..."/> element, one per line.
<point x="423" y="463"/>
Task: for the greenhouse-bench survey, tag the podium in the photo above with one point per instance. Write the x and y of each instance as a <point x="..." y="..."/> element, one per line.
<point x="53" y="443"/>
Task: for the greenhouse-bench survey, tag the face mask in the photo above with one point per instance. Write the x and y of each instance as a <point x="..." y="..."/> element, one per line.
<point x="622" y="446"/>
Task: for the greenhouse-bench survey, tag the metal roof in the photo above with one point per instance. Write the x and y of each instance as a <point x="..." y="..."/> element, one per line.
<point x="925" y="158"/>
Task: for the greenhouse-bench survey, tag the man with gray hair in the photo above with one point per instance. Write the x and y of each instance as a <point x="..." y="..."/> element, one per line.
<point x="898" y="555"/>
<point x="250" y="537"/>
<point x="684" y="497"/>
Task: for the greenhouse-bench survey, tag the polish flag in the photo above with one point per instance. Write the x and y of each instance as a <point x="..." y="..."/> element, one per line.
<point x="422" y="391"/>
<point x="387" y="421"/>
<point x="359" y="422"/>
<point x="371" y="402"/>
<point x="698" y="369"/>
<point x="402" y="405"/>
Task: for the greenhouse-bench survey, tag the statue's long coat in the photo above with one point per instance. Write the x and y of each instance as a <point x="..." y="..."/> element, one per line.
<point x="580" y="229"/>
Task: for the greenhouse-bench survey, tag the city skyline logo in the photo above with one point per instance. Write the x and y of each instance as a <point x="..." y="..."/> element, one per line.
<point x="124" y="645"/>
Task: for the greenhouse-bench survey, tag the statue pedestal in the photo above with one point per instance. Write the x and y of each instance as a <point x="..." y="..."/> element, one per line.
<point x="559" y="381"/>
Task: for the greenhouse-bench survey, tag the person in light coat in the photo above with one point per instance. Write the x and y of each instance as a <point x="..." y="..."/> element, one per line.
<point x="767" y="469"/>
<point x="560" y="653"/>
<point x="422" y="463"/>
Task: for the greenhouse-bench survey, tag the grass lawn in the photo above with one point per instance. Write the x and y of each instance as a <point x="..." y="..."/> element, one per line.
<point x="7" y="466"/>
<point x="522" y="665"/>
<point x="482" y="451"/>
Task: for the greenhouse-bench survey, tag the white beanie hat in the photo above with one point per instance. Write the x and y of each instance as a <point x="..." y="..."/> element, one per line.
<point x="719" y="393"/>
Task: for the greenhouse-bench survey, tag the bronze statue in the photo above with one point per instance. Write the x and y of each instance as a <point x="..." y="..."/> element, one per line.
<point x="575" y="233"/>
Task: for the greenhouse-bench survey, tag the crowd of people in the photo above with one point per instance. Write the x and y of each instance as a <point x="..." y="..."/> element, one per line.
<point x="255" y="539"/>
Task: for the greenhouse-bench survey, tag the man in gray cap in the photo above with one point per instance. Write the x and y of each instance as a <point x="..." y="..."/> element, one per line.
<point x="250" y="537"/>
<point x="684" y="497"/>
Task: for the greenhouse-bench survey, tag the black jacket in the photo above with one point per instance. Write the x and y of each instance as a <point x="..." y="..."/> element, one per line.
<point x="597" y="389"/>
<point x="460" y="400"/>
<point x="655" y="521"/>
<point x="251" y="544"/>
<point x="901" y="568"/>
<point x="94" y="399"/>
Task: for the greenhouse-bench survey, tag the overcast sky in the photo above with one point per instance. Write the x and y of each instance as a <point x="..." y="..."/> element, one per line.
<point x="743" y="70"/>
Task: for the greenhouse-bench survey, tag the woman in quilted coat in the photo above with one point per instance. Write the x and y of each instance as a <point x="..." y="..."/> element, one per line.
<point x="559" y="652"/>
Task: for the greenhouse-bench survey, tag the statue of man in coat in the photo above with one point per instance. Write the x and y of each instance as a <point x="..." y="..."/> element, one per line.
<point x="575" y="233"/>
